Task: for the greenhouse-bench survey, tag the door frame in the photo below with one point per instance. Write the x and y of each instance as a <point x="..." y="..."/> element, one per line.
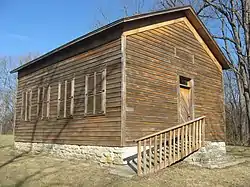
<point x="191" y="96"/>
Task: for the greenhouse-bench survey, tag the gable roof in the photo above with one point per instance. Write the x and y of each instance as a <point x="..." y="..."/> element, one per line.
<point x="188" y="11"/>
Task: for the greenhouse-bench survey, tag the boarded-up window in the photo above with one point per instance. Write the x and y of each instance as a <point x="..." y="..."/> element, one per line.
<point x="65" y="103"/>
<point x="95" y="93"/>
<point x="43" y="102"/>
<point x="26" y="108"/>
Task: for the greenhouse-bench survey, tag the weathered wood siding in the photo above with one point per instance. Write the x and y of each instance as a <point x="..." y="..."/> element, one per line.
<point x="152" y="69"/>
<point x="96" y="130"/>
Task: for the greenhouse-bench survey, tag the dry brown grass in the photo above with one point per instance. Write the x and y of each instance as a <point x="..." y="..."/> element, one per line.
<point x="38" y="170"/>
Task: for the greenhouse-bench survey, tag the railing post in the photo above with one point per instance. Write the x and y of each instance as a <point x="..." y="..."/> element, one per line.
<point x="182" y="141"/>
<point x="200" y="123"/>
<point x="174" y="145"/>
<point x="203" y="132"/>
<point x="160" y="152"/>
<point x="178" y="143"/>
<point x="170" y="148"/>
<point x="155" y="155"/>
<point x="150" y="155"/>
<point x="139" y="171"/>
<point x="144" y="157"/>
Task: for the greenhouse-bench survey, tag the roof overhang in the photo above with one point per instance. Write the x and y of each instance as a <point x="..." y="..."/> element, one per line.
<point x="188" y="12"/>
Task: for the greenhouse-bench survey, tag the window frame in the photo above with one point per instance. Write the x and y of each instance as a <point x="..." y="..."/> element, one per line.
<point x="102" y="93"/>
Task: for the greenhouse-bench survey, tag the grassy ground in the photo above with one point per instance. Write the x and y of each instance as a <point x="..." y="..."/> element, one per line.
<point x="38" y="170"/>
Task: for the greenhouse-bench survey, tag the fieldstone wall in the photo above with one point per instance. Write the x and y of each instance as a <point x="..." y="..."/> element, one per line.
<point x="212" y="155"/>
<point x="105" y="155"/>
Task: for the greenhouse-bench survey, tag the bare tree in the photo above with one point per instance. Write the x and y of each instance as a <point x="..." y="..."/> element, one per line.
<point x="8" y="90"/>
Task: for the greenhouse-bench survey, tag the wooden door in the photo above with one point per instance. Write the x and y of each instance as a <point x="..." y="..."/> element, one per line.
<point x="185" y="104"/>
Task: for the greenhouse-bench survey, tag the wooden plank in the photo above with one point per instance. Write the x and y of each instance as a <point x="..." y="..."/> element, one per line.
<point x="155" y="154"/>
<point x="200" y="133"/>
<point x="186" y="139"/>
<point x="160" y="152"/>
<point x="139" y="170"/>
<point x="65" y="99"/>
<point x="59" y="99"/>
<point x="38" y="101"/>
<point x="30" y="104"/>
<point x="150" y="155"/>
<point x="72" y="97"/>
<point x="203" y="132"/>
<point x="196" y="135"/>
<point x="165" y="150"/>
<point x="174" y="151"/>
<point x="190" y="138"/>
<point x="48" y="102"/>
<point x="86" y="95"/>
<point x="182" y="141"/>
<point x="170" y="148"/>
<point x="178" y="144"/>
<point x="193" y="136"/>
<point x="144" y="157"/>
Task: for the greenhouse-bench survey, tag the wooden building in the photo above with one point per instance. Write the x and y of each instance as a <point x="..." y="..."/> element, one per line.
<point x="131" y="78"/>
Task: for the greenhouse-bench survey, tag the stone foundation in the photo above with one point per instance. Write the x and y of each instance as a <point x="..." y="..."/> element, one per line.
<point x="212" y="155"/>
<point x="105" y="155"/>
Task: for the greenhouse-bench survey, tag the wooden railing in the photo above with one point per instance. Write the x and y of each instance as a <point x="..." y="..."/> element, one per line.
<point x="162" y="149"/>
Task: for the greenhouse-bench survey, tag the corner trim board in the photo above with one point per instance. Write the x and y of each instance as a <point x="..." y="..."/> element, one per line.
<point x="123" y="88"/>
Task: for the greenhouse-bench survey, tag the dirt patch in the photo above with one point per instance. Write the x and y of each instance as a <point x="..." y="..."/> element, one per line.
<point x="38" y="170"/>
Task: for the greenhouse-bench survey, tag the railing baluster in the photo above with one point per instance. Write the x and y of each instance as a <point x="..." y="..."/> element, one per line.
<point x="155" y="154"/>
<point x="182" y="141"/>
<point x="174" y="145"/>
<point x="150" y="155"/>
<point x="187" y="137"/>
<point x="165" y="149"/>
<point x="139" y="171"/>
<point x="196" y="135"/>
<point x="193" y="137"/>
<point x="144" y="157"/>
<point x="160" y="152"/>
<point x="178" y="143"/>
<point x="170" y="148"/>
<point x="203" y="132"/>
<point x="200" y="133"/>
<point x="190" y="138"/>
<point x="186" y="140"/>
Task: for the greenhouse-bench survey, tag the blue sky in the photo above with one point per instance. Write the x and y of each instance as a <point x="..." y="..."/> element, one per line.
<point x="29" y="26"/>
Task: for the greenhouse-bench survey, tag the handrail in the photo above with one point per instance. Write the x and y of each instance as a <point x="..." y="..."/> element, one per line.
<point x="168" y="129"/>
<point x="162" y="149"/>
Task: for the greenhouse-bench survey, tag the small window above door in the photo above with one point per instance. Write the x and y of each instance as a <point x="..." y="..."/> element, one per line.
<point x="185" y="82"/>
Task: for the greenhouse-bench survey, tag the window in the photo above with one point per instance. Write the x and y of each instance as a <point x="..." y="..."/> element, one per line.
<point x="26" y="105"/>
<point x="185" y="82"/>
<point x="95" y="93"/>
<point x="65" y="99"/>
<point x="43" y="102"/>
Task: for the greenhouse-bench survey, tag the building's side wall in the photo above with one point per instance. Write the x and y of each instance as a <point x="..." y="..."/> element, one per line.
<point x="81" y="130"/>
<point x="152" y="69"/>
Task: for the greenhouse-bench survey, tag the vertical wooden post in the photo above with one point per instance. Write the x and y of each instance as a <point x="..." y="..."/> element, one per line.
<point x="59" y="100"/>
<point x="104" y="91"/>
<point x="86" y="95"/>
<point x="48" y="102"/>
<point x="193" y="136"/>
<point x="190" y="139"/>
<point x="170" y="148"/>
<point x="203" y="131"/>
<point x="72" y="96"/>
<point x="22" y="106"/>
<point x="38" y="101"/>
<point x="182" y="141"/>
<point x="65" y="99"/>
<point x="144" y="157"/>
<point x="150" y="155"/>
<point x="26" y="106"/>
<point x="139" y="171"/>
<point x="200" y="123"/>
<point x="174" y="146"/>
<point x="155" y="154"/>
<point x="197" y="135"/>
<point x="160" y="152"/>
<point x="43" y="97"/>
<point x="30" y="104"/>
<point x="178" y="143"/>
<point x="94" y="95"/>
<point x="186" y="140"/>
<point x="165" y="149"/>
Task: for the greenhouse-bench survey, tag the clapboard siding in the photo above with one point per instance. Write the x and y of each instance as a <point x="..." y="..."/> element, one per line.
<point x="152" y="71"/>
<point x="88" y="130"/>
